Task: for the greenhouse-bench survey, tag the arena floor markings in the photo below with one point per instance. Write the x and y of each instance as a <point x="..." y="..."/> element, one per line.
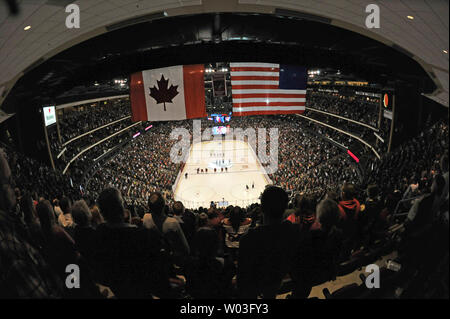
<point x="241" y="168"/>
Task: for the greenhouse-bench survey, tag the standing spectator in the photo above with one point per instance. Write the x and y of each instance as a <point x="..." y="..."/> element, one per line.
<point x="25" y="273"/>
<point x="208" y="276"/>
<point x="370" y="221"/>
<point x="59" y="249"/>
<point x="188" y="218"/>
<point x="97" y="217"/>
<point x="236" y="226"/>
<point x="169" y="227"/>
<point x="305" y="209"/>
<point x="65" y="219"/>
<point x="128" y="259"/>
<point x="318" y="259"/>
<point x="84" y="234"/>
<point x="266" y="253"/>
<point x="349" y="207"/>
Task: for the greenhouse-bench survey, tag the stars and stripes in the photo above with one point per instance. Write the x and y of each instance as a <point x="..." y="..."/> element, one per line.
<point x="267" y="88"/>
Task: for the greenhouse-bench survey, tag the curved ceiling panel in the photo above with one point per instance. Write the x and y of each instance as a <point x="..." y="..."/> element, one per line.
<point x="424" y="38"/>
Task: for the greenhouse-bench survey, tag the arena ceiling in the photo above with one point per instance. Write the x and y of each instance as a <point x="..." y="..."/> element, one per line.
<point x="423" y="37"/>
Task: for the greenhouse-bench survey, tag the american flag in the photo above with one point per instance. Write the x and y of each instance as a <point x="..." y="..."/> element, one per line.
<point x="267" y="88"/>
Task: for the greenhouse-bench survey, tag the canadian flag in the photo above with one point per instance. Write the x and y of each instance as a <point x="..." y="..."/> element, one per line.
<point x="168" y="94"/>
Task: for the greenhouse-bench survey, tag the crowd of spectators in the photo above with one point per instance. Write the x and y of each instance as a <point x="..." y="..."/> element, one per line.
<point x="356" y="107"/>
<point x="306" y="162"/>
<point x="142" y="166"/>
<point x="77" y="120"/>
<point x="127" y="233"/>
<point x="83" y="118"/>
<point x="168" y="251"/>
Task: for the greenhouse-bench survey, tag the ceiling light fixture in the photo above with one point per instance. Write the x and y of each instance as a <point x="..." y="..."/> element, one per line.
<point x="28" y="27"/>
<point x="410" y="17"/>
<point x="445" y="51"/>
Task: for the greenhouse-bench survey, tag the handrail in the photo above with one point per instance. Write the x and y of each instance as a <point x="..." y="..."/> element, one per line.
<point x="95" y="144"/>
<point x="97" y="99"/>
<point x="96" y="129"/>
<point x="344" y="132"/>
<point x="404" y="201"/>
<point x="344" y="118"/>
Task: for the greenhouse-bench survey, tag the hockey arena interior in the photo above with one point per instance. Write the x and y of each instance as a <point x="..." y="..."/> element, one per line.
<point x="224" y="149"/>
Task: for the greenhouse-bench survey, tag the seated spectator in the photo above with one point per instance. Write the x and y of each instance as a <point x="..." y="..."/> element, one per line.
<point x="318" y="258"/>
<point x="129" y="260"/>
<point x="208" y="276"/>
<point x="236" y="226"/>
<point x="169" y="227"/>
<point x="266" y="253"/>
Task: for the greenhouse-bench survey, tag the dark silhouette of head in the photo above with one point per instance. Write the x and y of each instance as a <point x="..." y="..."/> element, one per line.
<point x="178" y="208"/>
<point x="207" y="243"/>
<point x="110" y="203"/>
<point x="274" y="201"/>
<point x="438" y="185"/>
<point x="46" y="215"/>
<point x="332" y="195"/>
<point x="328" y="214"/>
<point x="156" y="203"/>
<point x="297" y="199"/>
<point x="81" y="213"/>
<point x="236" y="217"/>
<point x="348" y="191"/>
<point x="372" y="191"/>
<point x="306" y="205"/>
<point x="202" y="219"/>
<point x="65" y="205"/>
<point x="444" y="163"/>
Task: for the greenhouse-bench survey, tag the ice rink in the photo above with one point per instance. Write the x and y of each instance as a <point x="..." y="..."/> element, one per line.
<point x="240" y="166"/>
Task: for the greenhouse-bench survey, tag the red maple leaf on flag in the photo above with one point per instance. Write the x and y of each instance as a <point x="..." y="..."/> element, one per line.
<point x="162" y="94"/>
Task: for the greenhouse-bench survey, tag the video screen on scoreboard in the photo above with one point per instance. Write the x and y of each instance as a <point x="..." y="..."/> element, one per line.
<point x="220" y="118"/>
<point x="49" y="115"/>
<point x="219" y="130"/>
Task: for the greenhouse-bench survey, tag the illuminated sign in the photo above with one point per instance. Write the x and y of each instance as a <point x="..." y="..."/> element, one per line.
<point x="353" y="156"/>
<point x="386" y="100"/>
<point x="49" y="115"/>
